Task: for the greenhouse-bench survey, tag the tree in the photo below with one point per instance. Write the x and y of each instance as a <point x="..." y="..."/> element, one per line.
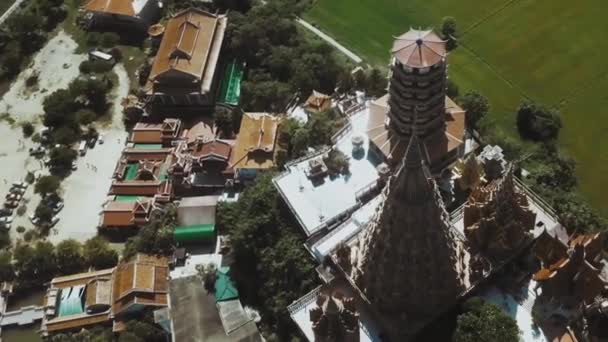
<point x="337" y="162"/>
<point x="85" y="117"/>
<point x="98" y="254"/>
<point x="34" y="266"/>
<point x="376" y="83"/>
<point x="28" y="129"/>
<point x="69" y="257"/>
<point x="146" y="330"/>
<point x="223" y="121"/>
<point x="47" y="184"/>
<point x="66" y="135"/>
<point x="44" y="213"/>
<point x="109" y="40"/>
<point x="61" y="158"/>
<point x="7" y="271"/>
<point x="452" y="90"/>
<point x="485" y="322"/>
<point x="537" y="122"/>
<point x="476" y="106"/>
<point x="156" y="237"/>
<point x="449" y="32"/>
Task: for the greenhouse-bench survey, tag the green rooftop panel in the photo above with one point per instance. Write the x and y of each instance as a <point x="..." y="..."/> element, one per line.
<point x="230" y="92"/>
<point x="126" y="198"/>
<point x="131" y="171"/>
<point x="148" y="146"/>
<point x="225" y="289"/>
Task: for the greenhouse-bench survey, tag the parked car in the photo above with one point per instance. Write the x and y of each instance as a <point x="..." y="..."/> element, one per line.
<point x="11" y="204"/>
<point x="6" y="219"/>
<point x="6" y="226"/>
<point x="74" y="166"/>
<point x="6" y="212"/>
<point x="54" y="221"/>
<point x="34" y="219"/>
<point x="38" y="150"/>
<point x="82" y="148"/>
<point x="16" y="190"/>
<point x="57" y="207"/>
<point x="100" y="139"/>
<point x="23" y="185"/>
<point x="13" y="197"/>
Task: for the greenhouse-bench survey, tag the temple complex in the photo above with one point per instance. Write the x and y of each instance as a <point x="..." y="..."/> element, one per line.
<point x="418" y="86"/>
<point x="498" y="218"/>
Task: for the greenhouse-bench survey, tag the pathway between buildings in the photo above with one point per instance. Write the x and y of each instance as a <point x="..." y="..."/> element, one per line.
<point x="10" y="11"/>
<point x="330" y="40"/>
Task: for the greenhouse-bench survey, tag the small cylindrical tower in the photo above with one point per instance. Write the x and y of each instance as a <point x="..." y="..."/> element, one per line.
<point x="417" y="83"/>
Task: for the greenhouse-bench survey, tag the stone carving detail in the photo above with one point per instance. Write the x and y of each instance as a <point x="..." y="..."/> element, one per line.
<point x="335" y="319"/>
<point x="409" y="261"/>
<point x="498" y="217"/>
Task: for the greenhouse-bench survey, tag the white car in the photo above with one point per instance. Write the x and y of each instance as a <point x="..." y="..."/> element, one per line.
<point x="22" y="185"/>
<point x="100" y="139"/>
<point x="6" y="226"/>
<point x="34" y="219"/>
<point x="57" y="207"/>
<point x="54" y="221"/>
<point x="6" y="220"/>
<point x="16" y="190"/>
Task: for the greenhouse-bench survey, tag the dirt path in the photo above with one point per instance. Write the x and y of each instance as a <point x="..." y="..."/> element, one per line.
<point x="330" y="40"/>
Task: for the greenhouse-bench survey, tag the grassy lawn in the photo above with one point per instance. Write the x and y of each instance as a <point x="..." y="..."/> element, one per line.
<point x="548" y="51"/>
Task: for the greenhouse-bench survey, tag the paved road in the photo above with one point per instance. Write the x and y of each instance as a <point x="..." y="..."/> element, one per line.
<point x="330" y="40"/>
<point x="10" y="11"/>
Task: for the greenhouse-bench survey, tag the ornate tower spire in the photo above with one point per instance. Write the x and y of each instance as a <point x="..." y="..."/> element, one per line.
<point x="409" y="260"/>
<point x="497" y="217"/>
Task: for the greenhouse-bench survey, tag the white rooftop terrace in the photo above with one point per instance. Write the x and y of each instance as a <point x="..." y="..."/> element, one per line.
<point x="357" y="222"/>
<point x="300" y="314"/>
<point x="316" y="205"/>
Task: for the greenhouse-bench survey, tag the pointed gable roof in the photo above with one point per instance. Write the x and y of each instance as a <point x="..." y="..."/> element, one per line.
<point x="419" y="49"/>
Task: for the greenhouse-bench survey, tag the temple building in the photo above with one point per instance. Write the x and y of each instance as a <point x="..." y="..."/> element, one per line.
<point x="418" y="88"/>
<point x="498" y="218"/>
<point x="572" y="270"/>
<point x="409" y="264"/>
<point x="184" y="70"/>
<point x="133" y="15"/>
<point x="156" y="133"/>
<point x="107" y="296"/>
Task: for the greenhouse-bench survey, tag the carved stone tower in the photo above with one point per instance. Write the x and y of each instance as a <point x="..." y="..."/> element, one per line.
<point x="409" y="263"/>
<point x="497" y="217"/>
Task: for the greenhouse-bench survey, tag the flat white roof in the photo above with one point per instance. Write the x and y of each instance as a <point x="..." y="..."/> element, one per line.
<point x="347" y="230"/>
<point x="315" y="205"/>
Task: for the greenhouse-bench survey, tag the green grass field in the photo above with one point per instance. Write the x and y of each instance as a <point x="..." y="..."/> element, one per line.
<point x="552" y="51"/>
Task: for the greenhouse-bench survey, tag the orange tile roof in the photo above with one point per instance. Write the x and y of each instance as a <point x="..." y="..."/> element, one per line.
<point x="215" y="148"/>
<point x="255" y="145"/>
<point x="122" y="7"/>
<point x="143" y="280"/>
<point x="189" y="48"/>
<point x="155" y="133"/>
<point x="122" y="213"/>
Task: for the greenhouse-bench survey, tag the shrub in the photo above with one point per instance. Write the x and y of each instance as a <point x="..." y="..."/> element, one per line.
<point x="95" y="66"/>
<point x="20" y="229"/>
<point x="21" y="210"/>
<point x="109" y="40"/>
<point x="28" y="129"/>
<point x="537" y="122"/>
<point x="32" y="80"/>
<point x="476" y="106"/>
<point x="30" y="177"/>
<point x="452" y="89"/>
<point x="29" y="235"/>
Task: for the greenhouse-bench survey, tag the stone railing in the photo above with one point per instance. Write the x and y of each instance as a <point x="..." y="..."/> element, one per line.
<point x="303" y="301"/>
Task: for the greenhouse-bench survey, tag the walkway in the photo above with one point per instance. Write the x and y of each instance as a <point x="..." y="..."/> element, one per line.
<point x="330" y="40"/>
<point x="24" y="316"/>
<point x="10" y="11"/>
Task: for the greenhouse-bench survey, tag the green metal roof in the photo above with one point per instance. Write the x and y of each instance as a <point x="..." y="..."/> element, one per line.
<point x="148" y="146"/>
<point x="131" y="171"/>
<point x="225" y="288"/>
<point x="194" y="233"/>
<point x="71" y="301"/>
<point x="126" y="198"/>
<point x="230" y="92"/>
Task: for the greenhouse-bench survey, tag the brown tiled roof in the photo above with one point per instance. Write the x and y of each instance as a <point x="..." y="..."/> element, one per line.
<point x="143" y="280"/>
<point x="203" y="129"/>
<point x="189" y="47"/>
<point x="437" y="146"/>
<point x="122" y="213"/>
<point x="419" y="49"/>
<point x="317" y="102"/>
<point x="211" y="149"/>
<point x="122" y="7"/>
<point x="155" y="133"/>
<point x="255" y="144"/>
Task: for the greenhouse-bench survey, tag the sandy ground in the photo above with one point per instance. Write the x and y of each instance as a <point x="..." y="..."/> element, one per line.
<point x="56" y="65"/>
<point x="85" y="189"/>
